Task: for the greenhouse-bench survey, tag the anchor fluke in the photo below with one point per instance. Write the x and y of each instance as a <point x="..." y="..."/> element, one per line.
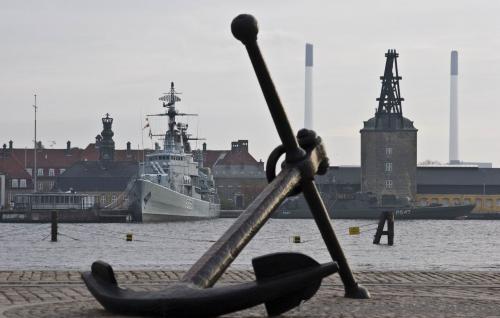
<point x="280" y="286"/>
<point x="272" y="266"/>
<point x="104" y="272"/>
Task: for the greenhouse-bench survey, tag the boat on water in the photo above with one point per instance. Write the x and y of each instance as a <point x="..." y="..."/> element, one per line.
<point x="172" y="185"/>
<point x="367" y="206"/>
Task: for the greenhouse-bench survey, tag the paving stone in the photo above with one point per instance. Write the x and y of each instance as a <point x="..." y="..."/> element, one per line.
<point x="394" y="294"/>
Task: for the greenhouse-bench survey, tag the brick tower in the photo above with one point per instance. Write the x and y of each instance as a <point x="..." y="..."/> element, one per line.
<point x="106" y="143"/>
<point x="389" y="142"/>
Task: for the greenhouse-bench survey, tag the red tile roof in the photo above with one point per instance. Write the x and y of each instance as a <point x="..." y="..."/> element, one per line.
<point x="47" y="158"/>
<point x="238" y="158"/>
<point x="10" y="166"/>
<point x="210" y="157"/>
<point x="62" y="158"/>
<point x="91" y="153"/>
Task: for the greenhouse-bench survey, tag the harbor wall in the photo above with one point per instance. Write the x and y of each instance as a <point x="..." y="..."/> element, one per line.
<point x="66" y="216"/>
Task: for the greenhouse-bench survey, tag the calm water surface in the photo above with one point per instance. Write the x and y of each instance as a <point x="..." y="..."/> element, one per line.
<point x="418" y="244"/>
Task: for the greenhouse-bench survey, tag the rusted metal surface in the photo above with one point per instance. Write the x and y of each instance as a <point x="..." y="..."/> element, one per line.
<point x="205" y="272"/>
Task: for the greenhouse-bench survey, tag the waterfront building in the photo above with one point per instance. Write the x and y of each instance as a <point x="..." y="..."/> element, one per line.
<point x="52" y="162"/>
<point x="106" y="179"/>
<point x="439" y="184"/>
<point x="17" y="165"/>
<point x="13" y="177"/>
<point x="389" y="142"/>
<point x="239" y="178"/>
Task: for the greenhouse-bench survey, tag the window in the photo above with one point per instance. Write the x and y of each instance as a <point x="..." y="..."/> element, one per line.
<point x="29" y="171"/>
<point x="423" y="202"/>
<point x="445" y="202"/>
<point x="15" y="183"/>
<point x="478" y="203"/>
<point x="488" y="203"/>
<point x="388" y="184"/>
<point x="388" y="166"/>
<point x="40" y="186"/>
<point x="39" y="172"/>
<point x="498" y="202"/>
<point x="51" y="172"/>
<point x="388" y="151"/>
<point x="61" y="171"/>
<point x="114" y="198"/>
<point x="22" y="183"/>
<point x="456" y="201"/>
<point x="103" y="199"/>
<point x="467" y="201"/>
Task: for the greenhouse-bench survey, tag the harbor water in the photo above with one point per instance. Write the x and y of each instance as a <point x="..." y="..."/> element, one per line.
<point x="418" y="245"/>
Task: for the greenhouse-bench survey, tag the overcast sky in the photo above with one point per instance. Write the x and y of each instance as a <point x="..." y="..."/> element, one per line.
<point x="86" y="58"/>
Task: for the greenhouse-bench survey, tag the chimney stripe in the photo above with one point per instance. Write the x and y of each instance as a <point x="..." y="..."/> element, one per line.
<point x="454" y="63"/>
<point x="309" y="54"/>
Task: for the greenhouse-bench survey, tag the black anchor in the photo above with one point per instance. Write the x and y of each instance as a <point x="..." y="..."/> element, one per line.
<point x="283" y="280"/>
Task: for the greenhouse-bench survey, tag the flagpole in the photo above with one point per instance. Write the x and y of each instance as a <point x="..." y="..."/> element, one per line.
<point x="34" y="166"/>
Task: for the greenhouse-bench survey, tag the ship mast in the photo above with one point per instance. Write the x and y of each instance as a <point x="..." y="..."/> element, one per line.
<point x="169" y="101"/>
<point x="173" y="137"/>
<point x="171" y="112"/>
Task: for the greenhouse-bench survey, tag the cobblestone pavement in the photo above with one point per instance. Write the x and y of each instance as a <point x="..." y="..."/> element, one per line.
<point x="394" y="294"/>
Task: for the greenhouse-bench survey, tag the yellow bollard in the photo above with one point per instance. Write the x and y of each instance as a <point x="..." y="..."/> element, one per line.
<point x="128" y="237"/>
<point x="354" y="230"/>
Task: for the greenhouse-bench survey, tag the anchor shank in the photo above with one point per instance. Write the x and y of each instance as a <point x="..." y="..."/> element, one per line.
<point x="323" y="222"/>
<point x="205" y="272"/>
<point x="293" y="151"/>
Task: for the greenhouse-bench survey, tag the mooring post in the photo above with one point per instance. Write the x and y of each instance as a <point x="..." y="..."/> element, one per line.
<point x="380" y="228"/>
<point x="390" y="228"/>
<point x="389" y="217"/>
<point x="53" y="227"/>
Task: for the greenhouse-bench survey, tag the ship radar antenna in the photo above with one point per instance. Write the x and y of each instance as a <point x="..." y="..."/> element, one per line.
<point x="169" y="99"/>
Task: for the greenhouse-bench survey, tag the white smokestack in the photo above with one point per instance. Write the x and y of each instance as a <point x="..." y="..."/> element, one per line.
<point x="454" y="108"/>
<point x="308" y="103"/>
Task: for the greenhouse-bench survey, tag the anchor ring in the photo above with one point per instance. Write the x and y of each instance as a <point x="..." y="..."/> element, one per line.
<point x="271" y="163"/>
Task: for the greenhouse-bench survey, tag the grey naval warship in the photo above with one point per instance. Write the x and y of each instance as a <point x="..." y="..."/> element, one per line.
<point x="172" y="185"/>
<point x="366" y="206"/>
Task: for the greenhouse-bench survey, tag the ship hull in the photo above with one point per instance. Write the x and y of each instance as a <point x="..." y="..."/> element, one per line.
<point x="161" y="204"/>
<point x="400" y="213"/>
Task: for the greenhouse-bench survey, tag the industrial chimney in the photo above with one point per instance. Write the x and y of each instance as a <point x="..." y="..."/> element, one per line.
<point x="308" y="103"/>
<point x="454" y="108"/>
